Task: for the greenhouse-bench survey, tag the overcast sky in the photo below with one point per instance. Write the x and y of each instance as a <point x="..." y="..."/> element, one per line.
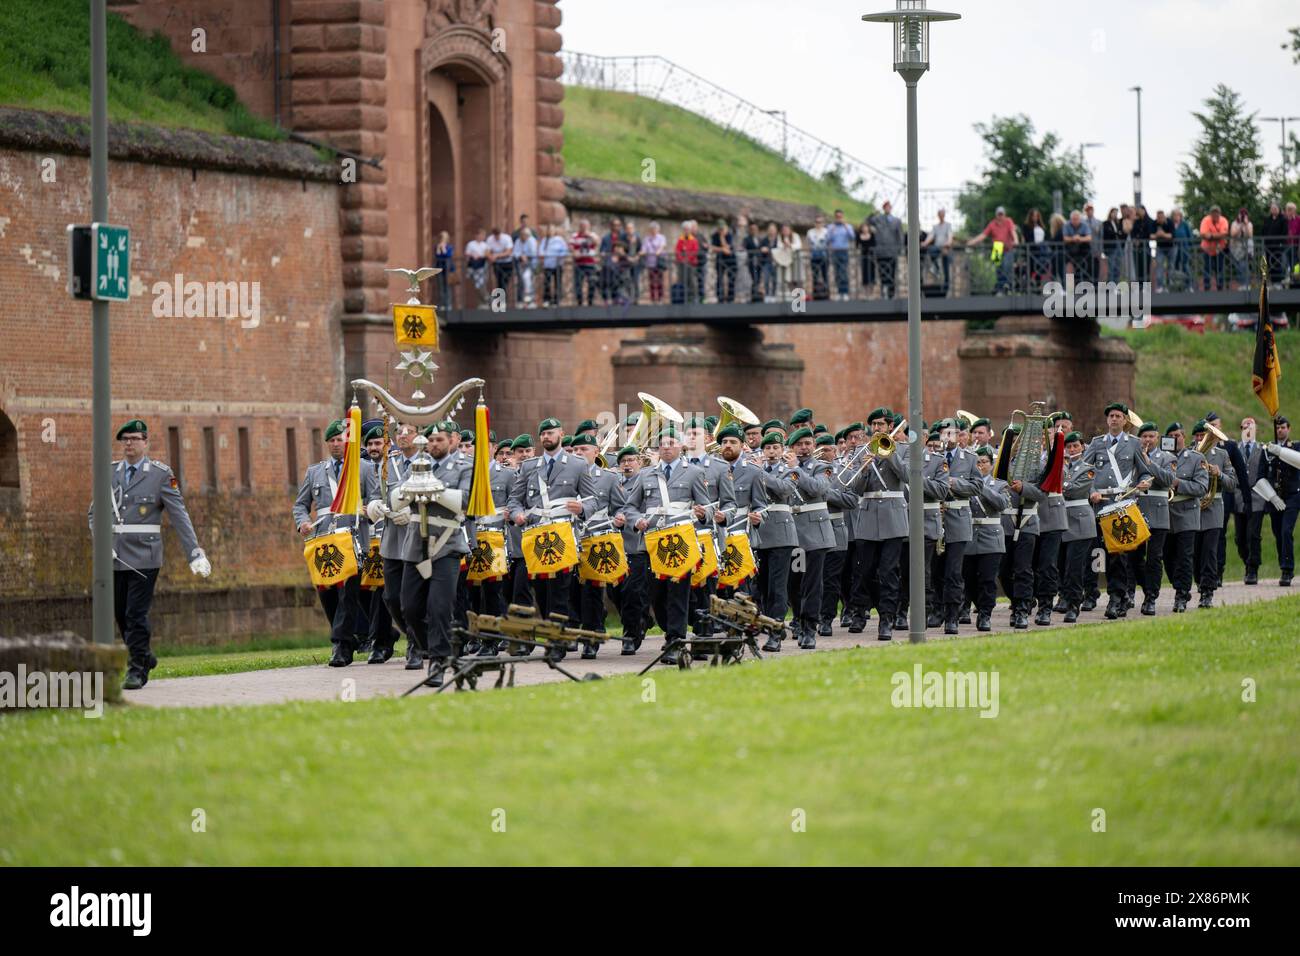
<point x="1067" y="65"/>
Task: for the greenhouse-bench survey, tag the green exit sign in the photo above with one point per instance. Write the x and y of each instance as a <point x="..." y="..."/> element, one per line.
<point x="110" y="276"/>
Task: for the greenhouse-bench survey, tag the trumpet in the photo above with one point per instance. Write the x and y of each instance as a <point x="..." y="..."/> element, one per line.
<point x="880" y="446"/>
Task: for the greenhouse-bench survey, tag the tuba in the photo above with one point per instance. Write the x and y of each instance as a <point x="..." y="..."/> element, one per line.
<point x="733" y="413"/>
<point x="1212" y="437"/>
<point x="653" y="411"/>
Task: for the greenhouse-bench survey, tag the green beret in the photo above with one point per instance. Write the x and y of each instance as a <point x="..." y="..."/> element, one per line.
<point x="984" y="451"/>
<point x="796" y="435"/>
<point x="628" y="450"/>
<point x="492" y="437"/>
<point x="841" y="435"/>
<point x="374" y="431"/>
<point x="1174" y="427"/>
<point x="523" y="441"/>
<point x="446" y="428"/>
<point x="1199" y="426"/>
<point x="819" y="428"/>
<point x="751" y="427"/>
<point x="712" y="422"/>
<point x="580" y="440"/>
<point x="1113" y="407"/>
<point x="1149" y="427"/>
<point x="879" y="413"/>
<point x="898" y="420"/>
<point x="427" y="430"/>
<point x="549" y="423"/>
<point x="1074" y="436"/>
<point x="934" y="436"/>
<point x="801" y="416"/>
<point x="731" y="431"/>
<point x="333" y="428"/>
<point x="771" y="438"/>
<point x="137" y="427"/>
<point x="587" y="425"/>
<point x="825" y="439"/>
<point x="1014" y="429"/>
<point x="855" y="427"/>
<point x="669" y="431"/>
<point x="772" y="424"/>
<point x="959" y="423"/>
<point x="466" y="435"/>
<point x="696" y="421"/>
<point x="566" y="441"/>
<point x="452" y="426"/>
<point x="1057" y="416"/>
<point x="981" y="421"/>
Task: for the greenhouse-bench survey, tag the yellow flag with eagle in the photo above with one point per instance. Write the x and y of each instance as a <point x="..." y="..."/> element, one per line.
<point x="1266" y="370"/>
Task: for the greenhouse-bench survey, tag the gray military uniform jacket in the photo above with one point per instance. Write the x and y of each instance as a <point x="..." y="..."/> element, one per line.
<point x="1212" y="517"/>
<point x="456" y="472"/>
<point x="317" y="493"/>
<point x="1081" y="523"/>
<point x="841" y="504"/>
<point x="570" y="480"/>
<point x="881" y="513"/>
<point x="1051" y="510"/>
<point x="1193" y="482"/>
<point x="716" y="486"/>
<point x="964" y="483"/>
<point x="812" y="519"/>
<point x="642" y="497"/>
<point x="608" y="492"/>
<point x="986" y="517"/>
<point x="748" y="493"/>
<point x="499" y="480"/>
<point x="1127" y="456"/>
<point x="137" y="515"/>
<point x="1154" y="502"/>
<point x="934" y="474"/>
<point x="1031" y="497"/>
<point x="777" y="529"/>
<point x="633" y="540"/>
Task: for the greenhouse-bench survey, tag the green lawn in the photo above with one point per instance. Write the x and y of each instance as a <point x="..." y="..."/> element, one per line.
<point x="45" y="49"/>
<point x="1142" y="720"/>
<point x="608" y="135"/>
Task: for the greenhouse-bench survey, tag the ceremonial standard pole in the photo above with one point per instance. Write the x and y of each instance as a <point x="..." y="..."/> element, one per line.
<point x="101" y="413"/>
<point x="911" y="22"/>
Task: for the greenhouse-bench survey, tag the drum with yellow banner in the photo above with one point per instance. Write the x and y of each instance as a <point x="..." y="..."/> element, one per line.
<point x="331" y="558"/>
<point x="708" y="565"/>
<point x="1122" y="527"/>
<point x="604" y="559"/>
<point x="549" y="549"/>
<point x="372" y="567"/>
<point x="674" y="551"/>
<point x="487" y="561"/>
<point x="738" y="564"/>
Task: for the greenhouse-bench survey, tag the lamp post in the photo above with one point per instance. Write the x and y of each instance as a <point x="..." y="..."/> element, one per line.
<point x="1283" y="120"/>
<point x="911" y="25"/>
<point x="1137" y="176"/>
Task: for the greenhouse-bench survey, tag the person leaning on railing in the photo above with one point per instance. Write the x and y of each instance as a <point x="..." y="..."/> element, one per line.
<point x="1213" y="233"/>
<point x="652" y="253"/>
<point x="815" y="240"/>
<point x="724" y="260"/>
<point x="1144" y="227"/>
<point x="1182" y="249"/>
<point x="1164" y="237"/>
<point x="938" y="245"/>
<point x="584" y="246"/>
<point x="476" y="263"/>
<point x="444" y="258"/>
<point x="753" y="246"/>
<point x="1077" y="237"/>
<point x="687" y="254"/>
<point x="554" y="252"/>
<point x="1001" y="231"/>
<point x="1241" y="246"/>
<point x="839" y="239"/>
<point x="1272" y="233"/>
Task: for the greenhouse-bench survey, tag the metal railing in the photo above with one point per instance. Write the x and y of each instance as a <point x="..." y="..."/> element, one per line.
<point x="861" y="272"/>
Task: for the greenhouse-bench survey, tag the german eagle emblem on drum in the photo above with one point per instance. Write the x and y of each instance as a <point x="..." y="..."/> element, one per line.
<point x="328" y="560"/>
<point x="603" y="558"/>
<point x="549" y="548"/>
<point x="1124" y="529"/>
<point x="672" y="550"/>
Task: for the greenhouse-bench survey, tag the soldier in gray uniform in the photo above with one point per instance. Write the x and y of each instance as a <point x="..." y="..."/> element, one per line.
<point x="879" y="532"/>
<point x="316" y="493"/>
<point x="984" y="555"/>
<point x="1191" y="482"/>
<point x="812" y="522"/>
<point x="841" y="504"/>
<point x="518" y="589"/>
<point x="777" y="537"/>
<point x="934" y="477"/>
<point x="488" y="597"/>
<point x="632" y="595"/>
<point x="1020" y="531"/>
<point x="719" y="493"/>
<point x="605" y="516"/>
<point x="1154" y="505"/>
<point x="1081" y="526"/>
<point x="555" y="486"/>
<point x="1206" y="551"/>
<point x="1051" y="527"/>
<point x="658" y="497"/>
<point x="963" y="484"/>
<point x="392" y="541"/>
<point x="746" y="489"/>
<point x="143" y="488"/>
<point x="1117" y="459"/>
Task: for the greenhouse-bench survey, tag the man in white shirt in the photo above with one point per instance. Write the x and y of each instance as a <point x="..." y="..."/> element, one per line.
<point x="476" y="260"/>
<point x="938" y="245"/>
<point x="501" y="250"/>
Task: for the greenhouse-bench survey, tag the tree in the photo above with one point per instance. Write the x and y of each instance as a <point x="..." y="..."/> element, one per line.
<point x="1226" y="165"/>
<point x="1022" y="174"/>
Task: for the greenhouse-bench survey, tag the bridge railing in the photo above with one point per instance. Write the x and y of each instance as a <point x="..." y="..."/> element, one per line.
<point x="861" y="273"/>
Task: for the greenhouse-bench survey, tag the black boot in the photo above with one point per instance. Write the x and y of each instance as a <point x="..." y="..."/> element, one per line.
<point x="984" y="621"/>
<point x="1071" y="613"/>
<point x="1207" y="599"/>
<point x="629" y="647"/>
<point x="900" y="621"/>
<point x="436" y="666"/>
<point x="1020" y="619"/>
<point x="488" y="649"/>
<point x="965" y="614"/>
<point x="379" y="655"/>
<point x="857" y="624"/>
<point x="1180" y="601"/>
<point x="1252" y="576"/>
<point x="136" y="677"/>
<point x="846" y="619"/>
<point x="1148" y="605"/>
<point x="1044" y="616"/>
<point x="1285" y="580"/>
<point x="342" y="655"/>
<point x="1089" y="604"/>
<point x="934" y="618"/>
<point x="1112" y="608"/>
<point x="772" y="645"/>
<point x="884" y="632"/>
<point x="807" y="637"/>
<point x="950" y="614"/>
<point x="414" y="659"/>
<point x="1061" y="606"/>
<point x="589" y="652"/>
<point x="824" y="629"/>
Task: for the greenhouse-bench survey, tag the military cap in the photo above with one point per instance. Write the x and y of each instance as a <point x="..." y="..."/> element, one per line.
<point x="427" y="430"/>
<point x="897" y="420"/>
<point x="959" y="423"/>
<point x="771" y="438"/>
<point x="1211" y="416"/>
<point x="801" y="417"/>
<point x="370" y="423"/>
<point x="934" y="436"/>
<point x="1174" y="427"/>
<point x="566" y="441"/>
<point x="492" y="437"/>
<point x="374" y="431"/>
<point x="333" y="428"/>
<point x="1057" y="416"/>
<point x="1014" y="429"/>
<point x="669" y="430"/>
<point x="984" y="451"/>
<point x="980" y="421"/>
<point x="580" y="440"/>
<point x="712" y="422"/>
<point x="548" y="423"/>
<point x="446" y="428"/>
<point x="1074" y="436"/>
<point x="771" y="424"/>
<point x="696" y="421"/>
<point x="1113" y="407"/>
<point x="854" y="427"/>
<point x="628" y="450"/>
<point x="523" y="441"/>
<point x="137" y="427"/>
<point x="731" y="431"/>
<point x="1199" y="426"/>
<point x="587" y="425"/>
<point x="1149" y="427"/>
<point x="877" y="413"/>
<point x="466" y="435"/>
<point x="797" y="434"/>
<point x="825" y="438"/>
<point x="819" y="429"/>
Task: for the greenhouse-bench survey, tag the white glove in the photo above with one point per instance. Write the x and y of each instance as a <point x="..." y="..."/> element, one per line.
<point x="401" y="518"/>
<point x="449" y="499"/>
<point x="375" y="510"/>
<point x="200" y="564"/>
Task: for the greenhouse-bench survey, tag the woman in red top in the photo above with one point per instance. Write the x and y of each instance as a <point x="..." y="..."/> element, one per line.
<point x="688" y="260"/>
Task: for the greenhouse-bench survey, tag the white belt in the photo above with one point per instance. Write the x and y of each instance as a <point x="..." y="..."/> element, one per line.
<point x="1176" y="498"/>
<point x="957" y="503"/>
<point x="1155" y="494"/>
<point x="997" y="521"/>
<point x="1108" y="491"/>
<point x="1055" y="494"/>
<point x="492" y="520"/>
<point x="1219" y="496"/>
<point x="672" y="508"/>
<point x="557" y="509"/>
<point x="815" y="506"/>
<point x="1078" y="503"/>
<point x="878" y="495"/>
<point x="1012" y="512"/>
<point x="785" y="508"/>
<point x="137" y="529"/>
<point x="932" y="505"/>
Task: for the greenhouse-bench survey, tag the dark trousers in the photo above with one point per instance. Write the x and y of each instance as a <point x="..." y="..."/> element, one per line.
<point x="132" y="598"/>
<point x="1178" y="557"/>
<point x="832" y="575"/>
<point x="415" y="607"/>
<point x="725" y="278"/>
<point x="1206" y="557"/>
<point x="1077" y="555"/>
<point x="381" y="622"/>
<point x="774" y="581"/>
<point x="1284" y="532"/>
<point x="551" y="286"/>
<point x="632" y="594"/>
<point x="487" y="597"/>
<point x="584" y="282"/>
<point x="521" y="589"/>
<point x="701" y="626"/>
<point x="672" y="603"/>
<point x="1046" y="577"/>
<point x="593" y="606"/>
<point x="441" y="604"/>
<point x="877" y="573"/>
<point x="503" y="272"/>
<point x="1017" y="571"/>
<point x="952" y="562"/>
<point x="820" y="270"/>
<point x="340" y="605"/>
<point x="394" y="575"/>
<point x="888" y="268"/>
<point x="552" y="594"/>
<point x="461" y="603"/>
<point x="1150" y="559"/>
<point x="1248" y="528"/>
<point x="807" y="584"/>
<point x="982" y="580"/>
<point x="1120" y="579"/>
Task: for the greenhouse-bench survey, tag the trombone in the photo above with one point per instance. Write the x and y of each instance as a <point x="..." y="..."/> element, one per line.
<point x="880" y="446"/>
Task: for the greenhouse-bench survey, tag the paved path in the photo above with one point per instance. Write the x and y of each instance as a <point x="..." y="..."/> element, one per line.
<point x="387" y="680"/>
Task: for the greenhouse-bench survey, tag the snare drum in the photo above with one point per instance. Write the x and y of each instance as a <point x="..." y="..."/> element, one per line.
<point x="738" y="562"/>
<point x="372" y="568"/>
<point x="331" y="557"/>
<point x="1122" y="527"/>
<point x="550" y="548"/>
<point x="674" y="551"/>
<point x="487" y="562"/>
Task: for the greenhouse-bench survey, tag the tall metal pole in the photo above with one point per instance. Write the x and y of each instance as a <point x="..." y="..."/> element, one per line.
<point x="1137" y="181"/>
<point x="102" y="413"/>
<point x="916" y="491"/>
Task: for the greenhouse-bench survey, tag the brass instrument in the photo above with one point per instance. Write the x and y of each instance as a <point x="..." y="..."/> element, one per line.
<point x="970" y="418"/>
<point x="1027" y="452"/>
<point x="1213" y="435"/>
<point x="1135" y="420"/>
<point x="652" y="410"/>
<point x="879" y="446"/>
<point x="733" y="413"/>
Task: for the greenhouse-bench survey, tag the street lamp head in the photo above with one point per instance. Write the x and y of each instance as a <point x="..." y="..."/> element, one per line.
<point x="911" y="22"/>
